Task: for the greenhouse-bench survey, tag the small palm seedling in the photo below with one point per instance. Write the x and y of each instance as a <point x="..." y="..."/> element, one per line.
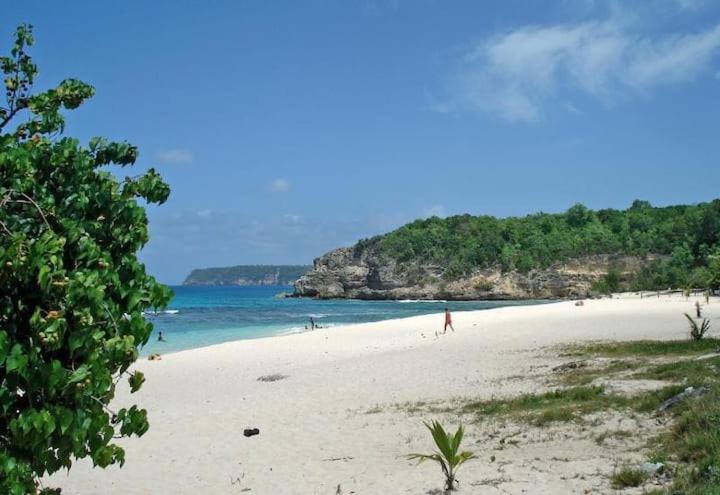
<point x="698" y="331"/>
<point x="447" y="455"/>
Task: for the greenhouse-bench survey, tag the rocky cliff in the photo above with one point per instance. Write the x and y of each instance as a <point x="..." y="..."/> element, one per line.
<point x="348" y="273"/>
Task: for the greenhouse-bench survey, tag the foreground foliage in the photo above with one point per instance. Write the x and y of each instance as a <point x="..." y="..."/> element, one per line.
<point x="448" y="455"/>
<point x="72" y="291"/>
<point x="687" y="236"/>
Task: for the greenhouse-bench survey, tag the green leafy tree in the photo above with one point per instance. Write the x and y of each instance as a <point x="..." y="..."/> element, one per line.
<point x="72" y="291"/>
<point x="578" y="215"/>
<point x="713" y="275"/>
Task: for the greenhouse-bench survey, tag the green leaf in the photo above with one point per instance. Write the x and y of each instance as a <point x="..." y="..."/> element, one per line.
<point x="65" y="419"/>
<point x="136" y="380"/>
<point x="79" y="375"/>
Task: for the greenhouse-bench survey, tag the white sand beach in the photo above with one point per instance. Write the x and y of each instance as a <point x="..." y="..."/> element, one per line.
<point x="343" y="419"/>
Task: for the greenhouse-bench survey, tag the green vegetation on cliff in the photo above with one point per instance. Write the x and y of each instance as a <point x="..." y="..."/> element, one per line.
<point x="687" y="236"/>
<point x="247" y="275"/>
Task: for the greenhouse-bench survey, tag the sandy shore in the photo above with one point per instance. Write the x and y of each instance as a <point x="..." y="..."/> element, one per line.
<point x="342" y="422"/>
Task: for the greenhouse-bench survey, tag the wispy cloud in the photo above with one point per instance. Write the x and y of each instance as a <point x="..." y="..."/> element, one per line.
<point x="279" y="185"/>
<point x="174" y="156"/>
<point x="515" y="75"/>
<point x="690" y="4"/>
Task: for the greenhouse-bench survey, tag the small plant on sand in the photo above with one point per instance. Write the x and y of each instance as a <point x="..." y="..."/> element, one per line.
<point x="628" y="477"/>
<point x="698" y="331"/>
<point x="448" y="454"/>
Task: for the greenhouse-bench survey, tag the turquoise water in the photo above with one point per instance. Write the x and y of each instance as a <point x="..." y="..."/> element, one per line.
<point x="201" y="316"/>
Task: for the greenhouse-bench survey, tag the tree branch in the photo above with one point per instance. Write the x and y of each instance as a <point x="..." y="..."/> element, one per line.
<point x="27" y="200"/>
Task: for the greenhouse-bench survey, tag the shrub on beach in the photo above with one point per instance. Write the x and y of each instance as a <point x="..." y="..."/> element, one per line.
<point x="72" y="290"/>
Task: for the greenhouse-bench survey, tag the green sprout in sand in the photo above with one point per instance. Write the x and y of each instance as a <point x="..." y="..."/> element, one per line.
<point x="447" y="455"/>
<point x="698" y="331"/>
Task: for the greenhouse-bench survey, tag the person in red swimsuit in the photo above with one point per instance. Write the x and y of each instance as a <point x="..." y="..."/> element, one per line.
<point x="448" y="321"/>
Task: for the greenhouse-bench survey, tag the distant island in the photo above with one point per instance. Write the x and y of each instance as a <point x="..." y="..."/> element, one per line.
<point x="573" y="254"/>
<point x="247" y="275"/>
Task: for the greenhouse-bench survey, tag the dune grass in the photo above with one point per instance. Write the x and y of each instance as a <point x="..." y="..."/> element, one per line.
<point x="569" y="404"/>
<point x="627" y="477"/>
<point x="691" y="371"/>
<point x="690" y="448"/>
<point x="585" y="376"/>
<point x="692" y="443"/>
<point x="638" y="348"/>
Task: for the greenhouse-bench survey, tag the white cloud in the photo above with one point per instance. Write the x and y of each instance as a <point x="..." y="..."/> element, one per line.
<point x="514" y="75"/>
<point x="204" y="213"/>
<point x="279" y="185"/>
<point x="176" y="156"/>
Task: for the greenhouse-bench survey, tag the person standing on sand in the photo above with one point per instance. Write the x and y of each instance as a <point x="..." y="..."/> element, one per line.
<point x="448" y="321"/>
<point x="312" y="323"/>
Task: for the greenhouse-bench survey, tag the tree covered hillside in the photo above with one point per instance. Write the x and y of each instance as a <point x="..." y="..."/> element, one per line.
<point x="247" y="275"/>
<point x="686" y="234"/>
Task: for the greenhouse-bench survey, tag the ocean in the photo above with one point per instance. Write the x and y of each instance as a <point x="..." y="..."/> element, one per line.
<point x="202" y="316"/>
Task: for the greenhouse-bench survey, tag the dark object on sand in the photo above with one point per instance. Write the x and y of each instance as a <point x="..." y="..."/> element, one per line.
<point x="579" y="303"/>
<point x="572" y="365"/>
<point x="275" y="377"/>
<point x="155" y="357"/>
<point x="676" y="399"/>
<point x="249" y="432"/>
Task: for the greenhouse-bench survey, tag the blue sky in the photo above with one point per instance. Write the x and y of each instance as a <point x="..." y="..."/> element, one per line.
<point x="289" y="128"/>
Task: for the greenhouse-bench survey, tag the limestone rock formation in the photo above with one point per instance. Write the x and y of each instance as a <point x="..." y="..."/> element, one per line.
<point x="349" y="273"/>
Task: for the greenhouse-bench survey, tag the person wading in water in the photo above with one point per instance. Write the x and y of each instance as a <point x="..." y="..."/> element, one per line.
<point x="448" y="321"/>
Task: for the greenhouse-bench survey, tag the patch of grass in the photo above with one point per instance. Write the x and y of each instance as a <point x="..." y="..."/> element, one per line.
<point x="556" y="415"/>
<point x="694" y="441"/>
<point x="602" y="437"/>
<point x="559" y="405"/>
<point x="569" y="404"/>
<point x="643" y="348"/>
<point x="585" y="376"/>
<point x="627" y="477"/>
<point x="691" y="447"/>
<point x="649" y="401"/>
<point x="691" y="372"/>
